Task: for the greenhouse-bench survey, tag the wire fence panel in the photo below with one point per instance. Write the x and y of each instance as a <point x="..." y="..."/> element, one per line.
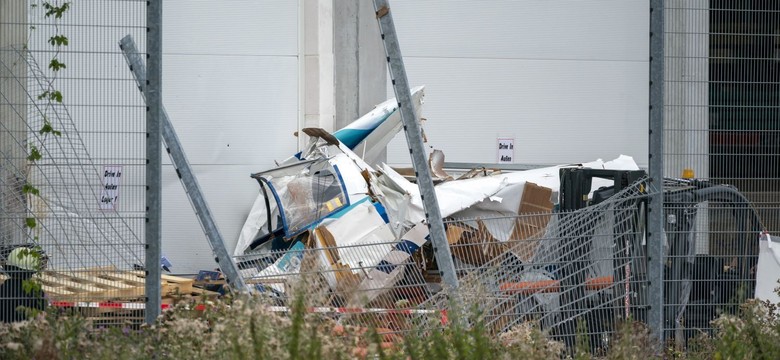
<point x="722" y="128"/>
<point x="373" y="283"/>
<point x="575" y="272"/>
<point x="72" y="157"/>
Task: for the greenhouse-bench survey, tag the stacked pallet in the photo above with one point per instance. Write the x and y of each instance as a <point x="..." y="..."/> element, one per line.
<point x="109" y="285"/>
<point x="110" y="296"/>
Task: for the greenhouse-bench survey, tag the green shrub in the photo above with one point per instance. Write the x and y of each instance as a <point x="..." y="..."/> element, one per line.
<point x="245" y="328"/>
<point x="754" y="333"/>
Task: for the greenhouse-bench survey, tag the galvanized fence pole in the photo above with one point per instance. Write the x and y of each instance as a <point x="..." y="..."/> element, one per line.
<point x="416" y="148"/>
<point x="655" y="226"/>
<point x="153" y="89"/>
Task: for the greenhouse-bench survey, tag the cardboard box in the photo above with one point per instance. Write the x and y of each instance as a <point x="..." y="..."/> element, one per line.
<point x="477" y="246"/>
<point x="535" y="212"/>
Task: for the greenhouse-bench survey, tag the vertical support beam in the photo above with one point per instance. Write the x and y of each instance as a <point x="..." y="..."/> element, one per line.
<point x="153" y="94"/>
<point x="186" y="175"/>
<point x="13" y="118"/>
<point x="655" y="226"/>
<point x="318" y="103"/>
<point x="359" y="65"/>
<point x="416" y="148"/>
<point x="346" y="63"/>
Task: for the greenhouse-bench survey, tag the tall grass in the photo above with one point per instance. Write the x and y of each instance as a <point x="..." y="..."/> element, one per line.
<point x="244" y="328"/>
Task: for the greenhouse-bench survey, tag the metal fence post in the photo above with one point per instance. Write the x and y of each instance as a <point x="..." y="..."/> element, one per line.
<point x="153" y="232"/>
<point x="416" y="148"/>
<point x="655" y="226"/>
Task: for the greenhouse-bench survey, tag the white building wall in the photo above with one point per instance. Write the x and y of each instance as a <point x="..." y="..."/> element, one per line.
<point x="230" y="85"/>
<point x="566" y="78"/>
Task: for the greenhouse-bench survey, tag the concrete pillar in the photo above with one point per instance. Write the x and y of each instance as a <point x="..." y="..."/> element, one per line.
<point x="13" y="118"/>
<point x="687" y="97"/>
<point x="360" y="74"/>
<point x="372" y="65"/>
<point x="344" y="70"/>
<point x="317" y="72"/>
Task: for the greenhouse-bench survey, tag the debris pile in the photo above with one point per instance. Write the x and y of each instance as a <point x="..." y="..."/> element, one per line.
<point x="325" y="213"/>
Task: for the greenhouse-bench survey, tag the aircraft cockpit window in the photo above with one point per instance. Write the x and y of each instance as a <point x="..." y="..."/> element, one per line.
<point x="306" y="193"/>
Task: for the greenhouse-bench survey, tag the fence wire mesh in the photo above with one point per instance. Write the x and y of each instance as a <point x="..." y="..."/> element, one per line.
<point x="561" y="270"/>
<point x="375" y="283"/>
<point x="722" y="126"/>
<point x="72" y="158"/>
<point x="574" y="272"/>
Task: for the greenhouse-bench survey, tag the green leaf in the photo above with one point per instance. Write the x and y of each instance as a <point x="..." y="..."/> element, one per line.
<point x="43" y="95"/>
<point x="58" y="40"/>
<point x="30" y="222"/>
<point x="56" y="11"/>
<point x="29" y="189"/>
<point x="56" y="96"/>
<point x="35" y="154"/>
<point x="56" y="65"/>
<point x="46" y="128"/>
<point x="31" y="287"/>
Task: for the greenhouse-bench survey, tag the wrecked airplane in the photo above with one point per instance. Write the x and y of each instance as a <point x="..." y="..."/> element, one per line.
<point x="368" y="221"/>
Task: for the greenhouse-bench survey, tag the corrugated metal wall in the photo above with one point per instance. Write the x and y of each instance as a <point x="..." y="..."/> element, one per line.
<point x="523" y="69"/>
<point x="230" y="85"/>
<point x="556" y="76"/>
<point x="566" y="79"/>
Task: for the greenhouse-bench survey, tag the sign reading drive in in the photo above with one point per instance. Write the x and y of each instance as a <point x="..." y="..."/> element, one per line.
<point x="506" y="150"/>
<point x="110" y="194"/>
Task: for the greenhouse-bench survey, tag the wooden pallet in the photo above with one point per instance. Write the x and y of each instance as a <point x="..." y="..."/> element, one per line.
<point x="102" y="285"/>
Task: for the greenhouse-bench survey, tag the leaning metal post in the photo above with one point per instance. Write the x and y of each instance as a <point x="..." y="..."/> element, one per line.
<point x="655" y="218"/>
<point x="187" y="177"/>
<point x="416" y="148"/>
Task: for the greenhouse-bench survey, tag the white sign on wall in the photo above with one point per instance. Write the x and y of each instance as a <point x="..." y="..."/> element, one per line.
<point x="112" y="174"/>
<point x="505" y="150"/>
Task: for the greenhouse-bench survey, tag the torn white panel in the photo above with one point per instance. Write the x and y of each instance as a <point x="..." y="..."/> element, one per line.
<point x="349" y="174"/>
<point x="395" y="201"/>
<point x="768" y="268"/>
<point x="256" y="220"/>
<point x="505" y="201"/>
<point x="453" y="196"/>
<point x="498" y="229"/>
<point x="436" y="164"/>
<point x="388" y="272"/>
<point x="550" y="176"/>
<point x="286" y="267"/>
<point x="362" y="237"/>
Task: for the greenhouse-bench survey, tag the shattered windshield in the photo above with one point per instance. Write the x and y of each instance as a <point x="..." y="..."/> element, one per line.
<point x="306" y="193"/>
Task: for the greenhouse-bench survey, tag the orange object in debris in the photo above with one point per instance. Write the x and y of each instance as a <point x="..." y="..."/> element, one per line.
<point x="549" y="286"/>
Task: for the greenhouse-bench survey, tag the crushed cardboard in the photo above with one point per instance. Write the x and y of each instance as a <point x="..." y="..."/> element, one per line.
<point x="477" y="246"/>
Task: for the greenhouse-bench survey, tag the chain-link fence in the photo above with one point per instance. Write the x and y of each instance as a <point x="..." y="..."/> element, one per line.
<point x="722" y="126"/>
<point x="73" y="139"/>
<point x="72" y="159"/>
